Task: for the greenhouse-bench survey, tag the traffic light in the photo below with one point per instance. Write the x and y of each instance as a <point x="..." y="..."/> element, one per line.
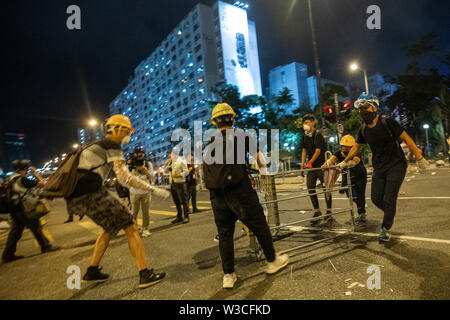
<point x="329" y="113"/>
<point x="344" y="110"/>
<point x="328" y="110"/>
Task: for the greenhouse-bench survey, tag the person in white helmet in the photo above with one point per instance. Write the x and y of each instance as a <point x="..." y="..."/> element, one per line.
<point x="384" y="135"/>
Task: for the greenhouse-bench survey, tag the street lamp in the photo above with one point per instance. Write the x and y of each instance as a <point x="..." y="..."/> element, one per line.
<point x="75" y="146"/>
<point x="426" y="126"/>
<point x="354" y="67"/>
<point x="92" y="122"/>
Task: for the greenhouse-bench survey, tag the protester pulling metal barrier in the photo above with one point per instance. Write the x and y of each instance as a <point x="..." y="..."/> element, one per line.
<point x="267" y="185"/>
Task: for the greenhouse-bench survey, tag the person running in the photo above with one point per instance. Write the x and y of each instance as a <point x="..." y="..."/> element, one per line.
<point x="313" y="147"/>
<point x="178" y="171"/>
<point x="358" y="175"/>
<point x="92" y="199"/>
<point x="232" y="196"/>
<point x="383" y="134"/>
<point x="20" y="184"/>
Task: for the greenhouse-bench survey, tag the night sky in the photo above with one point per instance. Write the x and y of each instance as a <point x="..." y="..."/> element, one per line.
<point x="55" y="79"/>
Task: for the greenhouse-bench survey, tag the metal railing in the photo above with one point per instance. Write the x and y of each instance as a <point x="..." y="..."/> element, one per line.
<point x="268" y="186"/>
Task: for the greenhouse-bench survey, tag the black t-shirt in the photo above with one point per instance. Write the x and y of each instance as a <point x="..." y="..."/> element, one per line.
<point x="386" y="152"/>
<point x="317" y="141"/>
<point x="228" y="172"/>
<point x="191" y="180"/>
<point x="357" y="173"/>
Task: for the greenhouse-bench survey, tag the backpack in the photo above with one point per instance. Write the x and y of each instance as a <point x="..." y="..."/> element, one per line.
<point x="62" y="183"/>
<point x="386" y="125"/>
<point x="6" y="202"/>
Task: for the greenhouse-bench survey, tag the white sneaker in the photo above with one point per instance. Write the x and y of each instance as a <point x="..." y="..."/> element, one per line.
<point x="229" y="279"/>
<point x="145" y="233"/>
<point x="279" y="263"/>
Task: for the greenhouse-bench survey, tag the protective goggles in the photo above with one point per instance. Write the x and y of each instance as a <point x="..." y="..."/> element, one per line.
<point x="365" y="103"/>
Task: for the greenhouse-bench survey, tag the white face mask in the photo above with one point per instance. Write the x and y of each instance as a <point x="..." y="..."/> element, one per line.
<point x="126" y="139"/>
<point x="306" y="128"/>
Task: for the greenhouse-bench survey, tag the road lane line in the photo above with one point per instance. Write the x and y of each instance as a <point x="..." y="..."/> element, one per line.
<point x="366" y="234"/>
<point x="198" y="207"/>
<point x="402" y="198"/>
<point x="165" y="213"/>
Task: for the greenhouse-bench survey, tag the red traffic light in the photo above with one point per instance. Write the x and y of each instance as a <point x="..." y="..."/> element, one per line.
<point x="328" y="109"/>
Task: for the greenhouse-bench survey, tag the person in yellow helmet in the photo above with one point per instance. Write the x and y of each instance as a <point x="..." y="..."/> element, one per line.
<point x="233" y="198"/>
<point x="92" y="199"/>
<point x="358" y="175"/>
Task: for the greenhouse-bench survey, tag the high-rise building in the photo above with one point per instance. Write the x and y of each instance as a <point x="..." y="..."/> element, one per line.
<point x="88" y="134"/>
<point x="14" y="147"/>
<point x="170" y="88"/>
<point x="292" y="76"/>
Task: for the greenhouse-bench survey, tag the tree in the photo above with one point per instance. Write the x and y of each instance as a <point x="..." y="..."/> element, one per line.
<point x="423" y="94"/>
<point x="284" y="98"/>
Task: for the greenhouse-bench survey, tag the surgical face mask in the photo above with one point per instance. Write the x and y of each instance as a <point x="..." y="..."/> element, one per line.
<point x="306" y="127"/>
<point x="126" y="139"/>
<point x="367" y="116"/>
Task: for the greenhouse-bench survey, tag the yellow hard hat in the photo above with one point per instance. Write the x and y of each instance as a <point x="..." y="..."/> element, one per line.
<point x="347" y="141"/>
<point x="221" y="109"/>
<point x="119" y="120"/>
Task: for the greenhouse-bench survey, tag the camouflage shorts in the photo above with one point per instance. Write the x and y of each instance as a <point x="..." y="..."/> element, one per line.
<point x="104" y="209"/>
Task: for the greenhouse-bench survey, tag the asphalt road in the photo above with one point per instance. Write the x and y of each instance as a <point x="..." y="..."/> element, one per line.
<point x="414" y="265"/>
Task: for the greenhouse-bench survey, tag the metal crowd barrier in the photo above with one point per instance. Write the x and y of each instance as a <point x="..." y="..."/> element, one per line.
<point x="268" y="186"/>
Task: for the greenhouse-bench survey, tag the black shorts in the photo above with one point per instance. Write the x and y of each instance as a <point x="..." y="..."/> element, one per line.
<point x="104" y="209"/>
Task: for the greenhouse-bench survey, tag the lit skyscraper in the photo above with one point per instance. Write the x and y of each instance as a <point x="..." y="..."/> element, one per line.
<point x="170" y="88"/>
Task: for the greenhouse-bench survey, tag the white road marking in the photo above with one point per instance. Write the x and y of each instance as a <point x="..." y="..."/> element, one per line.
<point x="402" y="198"/>
<point x="393" y="236"/>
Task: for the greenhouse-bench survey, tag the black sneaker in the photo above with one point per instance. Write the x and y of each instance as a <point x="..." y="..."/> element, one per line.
<point x="95" y="275"/>
<point x="49" y="248"/>
<point x="68" y="220"/>
<point x="11" y="258"/>
<point x="149" y="278"/>
<point x="315" y="222"/>
<point x="195" y="210"/>
<point x="186" y="220"/>
<point x="177" y="220"/>
<point x="81" y="217"/>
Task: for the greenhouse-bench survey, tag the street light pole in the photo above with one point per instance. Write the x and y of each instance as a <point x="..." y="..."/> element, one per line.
<point x="365" y="81"/>
<point x="426" y="126"/>
<point x="316" y="63"/>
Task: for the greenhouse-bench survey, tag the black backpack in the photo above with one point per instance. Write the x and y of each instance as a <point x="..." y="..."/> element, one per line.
<point x="6" y="202"/>
<point x="122" y="192"/>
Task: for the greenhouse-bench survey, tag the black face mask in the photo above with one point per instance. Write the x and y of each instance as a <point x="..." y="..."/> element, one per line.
<point x="368" y="116"/>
